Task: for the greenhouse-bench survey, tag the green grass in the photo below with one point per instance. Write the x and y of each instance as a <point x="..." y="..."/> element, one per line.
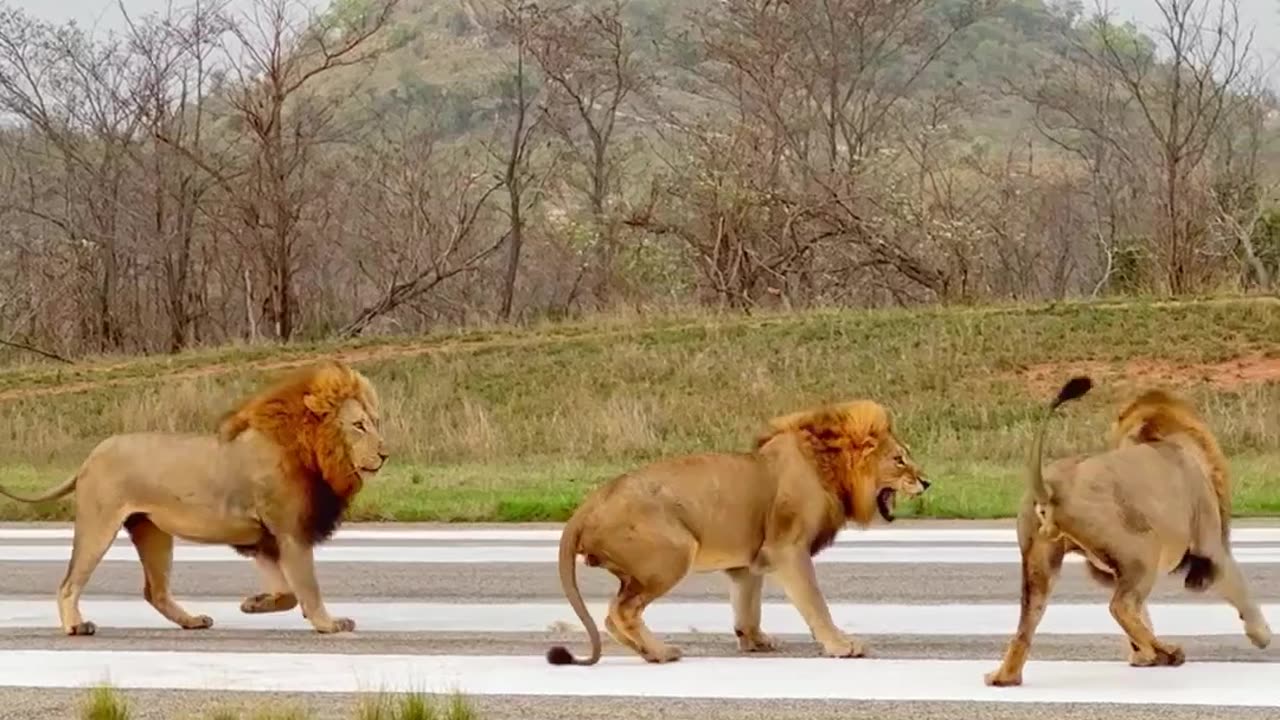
<point x="415" y="706"/>
<point x="104" y="703"/>
<point x="516" y="425"/>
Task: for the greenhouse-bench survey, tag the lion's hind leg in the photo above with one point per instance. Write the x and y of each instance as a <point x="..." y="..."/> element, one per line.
<point x="613" y="625"/>
<point x="92" y="537"/>
<point x="661" y="563"/>
<point x="1145" y="614"/>
<point x="1134" y="581"/>
<point x="1041" y="563"/>
<point x="155" y="551"/>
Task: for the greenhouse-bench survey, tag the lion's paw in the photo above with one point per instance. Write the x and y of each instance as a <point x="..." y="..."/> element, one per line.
<point x="1002" y="679"/>
<point x="664" y="654"/>
<point x="1170" y="655"/>
<point x="1259" y="634"/>
<point x="755" y="642"/>
<point x="845" y="649"/>
<point x="1141" y="659"/>
<point x="336" y="625"/>
<point x="198" y="622"/>
<point x="83" y="628"/>
<point x="269" y="603"/>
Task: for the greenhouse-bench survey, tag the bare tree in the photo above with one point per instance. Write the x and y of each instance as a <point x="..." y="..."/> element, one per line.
<point x="516" y="18"/>
<point x="278" y="58"/>
<point x="73" y="94"/>
<point x="588" y="57"/>
<point x="804" y="97"/>
<point x="171" y="93"/>
<point x="1183" y="99"/>
<point x="421" y="211"/>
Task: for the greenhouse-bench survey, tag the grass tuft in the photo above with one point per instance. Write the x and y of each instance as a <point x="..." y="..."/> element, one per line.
<point x="415" y="706"/>
<point x="105" y="703"/>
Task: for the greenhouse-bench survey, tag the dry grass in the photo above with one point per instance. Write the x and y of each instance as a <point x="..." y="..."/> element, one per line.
<point x="415" y="706"/>
<point x="107" y="703"/>
<point x="518" y="425"/>
<point x="104" y="703"/>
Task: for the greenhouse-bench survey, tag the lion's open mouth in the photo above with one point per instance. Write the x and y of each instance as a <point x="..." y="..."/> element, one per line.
<point x="884" y="503"/>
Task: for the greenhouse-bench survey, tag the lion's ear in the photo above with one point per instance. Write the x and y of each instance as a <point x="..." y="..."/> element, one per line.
<point x="315" y="404"/>
<point x="868" y="444"/>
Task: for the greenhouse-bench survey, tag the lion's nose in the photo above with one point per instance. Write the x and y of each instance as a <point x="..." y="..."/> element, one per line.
<point x="924" y="483"/>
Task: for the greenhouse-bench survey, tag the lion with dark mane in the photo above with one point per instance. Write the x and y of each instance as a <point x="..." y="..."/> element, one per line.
<point x="1157" y="501"/>
<point x="273" y="482"/>
<point x="747" y="514"/>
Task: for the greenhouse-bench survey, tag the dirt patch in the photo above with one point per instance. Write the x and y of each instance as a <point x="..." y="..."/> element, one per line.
<point x="1226" y="375"/>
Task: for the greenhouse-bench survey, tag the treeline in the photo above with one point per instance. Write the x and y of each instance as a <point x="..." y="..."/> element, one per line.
<point x="211" y="175"/>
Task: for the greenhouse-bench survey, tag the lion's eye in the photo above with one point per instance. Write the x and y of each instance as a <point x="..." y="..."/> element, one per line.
<point x="360" y="425"/>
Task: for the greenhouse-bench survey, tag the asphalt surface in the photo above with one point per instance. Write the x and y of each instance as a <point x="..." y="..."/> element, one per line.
<point x="913" y="583"/>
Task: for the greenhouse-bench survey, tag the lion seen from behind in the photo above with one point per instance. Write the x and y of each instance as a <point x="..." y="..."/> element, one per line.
<point x="273" y="482"/>
<point x="1157" y="501"/>
<point x="747" y="514"/>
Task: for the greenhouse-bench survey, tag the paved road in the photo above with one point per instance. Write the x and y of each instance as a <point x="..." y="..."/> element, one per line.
<point x="475" y="608"/>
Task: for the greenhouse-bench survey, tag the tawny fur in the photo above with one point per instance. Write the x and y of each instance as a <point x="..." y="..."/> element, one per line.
<point x="272" y="482"/>
<point x="1157" y="415"/>
<point x="1157" y="501"/>
<point x="747" y="514"/>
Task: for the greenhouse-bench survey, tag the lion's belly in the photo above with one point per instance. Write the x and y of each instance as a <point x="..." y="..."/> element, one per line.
<point x="207" y="526"/>
<point x="709" y="559"/>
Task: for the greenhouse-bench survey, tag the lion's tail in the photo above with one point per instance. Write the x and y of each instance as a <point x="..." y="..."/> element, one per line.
<point x="51" y="494"/>
<point x="559" y="654"/>
<point x="1074" y="388"/>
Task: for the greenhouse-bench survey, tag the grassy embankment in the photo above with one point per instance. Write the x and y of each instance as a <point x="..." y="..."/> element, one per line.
<point x="107" y="703"/>
<point x="518" y="425"/>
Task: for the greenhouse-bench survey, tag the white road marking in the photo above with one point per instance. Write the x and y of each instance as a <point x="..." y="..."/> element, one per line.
<point x="851" y="536"/>
<point x="1195" y="683"/>
<point x="1199" y="619"/>
<point x="546" y="554"/>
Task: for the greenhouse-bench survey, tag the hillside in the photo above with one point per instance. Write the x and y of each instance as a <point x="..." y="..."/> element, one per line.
<point x="447" y="59"/>
<point x="517" y="425"/>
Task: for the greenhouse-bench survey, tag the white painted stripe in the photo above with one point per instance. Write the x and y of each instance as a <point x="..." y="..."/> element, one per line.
<point x="761" y="678"/>
<point x="873" y="536"/>
<point x="1198" y="619"/>
<point x="545" y="554"/>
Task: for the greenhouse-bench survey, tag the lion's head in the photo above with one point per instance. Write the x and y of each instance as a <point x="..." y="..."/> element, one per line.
<point x="1158" y="414"/>
<point x="325" y="417"/>
<point x="859" y="457"/>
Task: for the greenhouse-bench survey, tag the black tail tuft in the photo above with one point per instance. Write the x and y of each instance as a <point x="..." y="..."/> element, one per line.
<point x="559" y="655"/>
<point x="1076" y="387"/>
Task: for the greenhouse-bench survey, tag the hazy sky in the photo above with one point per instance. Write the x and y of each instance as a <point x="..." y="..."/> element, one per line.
<point x="105" y="14"/>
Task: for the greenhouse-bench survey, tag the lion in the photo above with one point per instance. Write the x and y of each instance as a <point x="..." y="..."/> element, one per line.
<point x="272" y="482"/>
<point x="767" y="511"/>
<point x="1156" y="501"/>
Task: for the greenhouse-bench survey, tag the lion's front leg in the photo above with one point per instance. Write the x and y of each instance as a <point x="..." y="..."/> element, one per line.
<point x="297" y="562"/>
<point x="794" y="570"/>
<point x="745" y="590"/>
<point x="278" y="596"/>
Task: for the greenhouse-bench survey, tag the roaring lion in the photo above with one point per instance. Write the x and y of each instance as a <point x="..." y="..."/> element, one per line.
<point x="750" y="514"/>
<point x="1157" y="501"/>
<point x="273" y="482"/>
